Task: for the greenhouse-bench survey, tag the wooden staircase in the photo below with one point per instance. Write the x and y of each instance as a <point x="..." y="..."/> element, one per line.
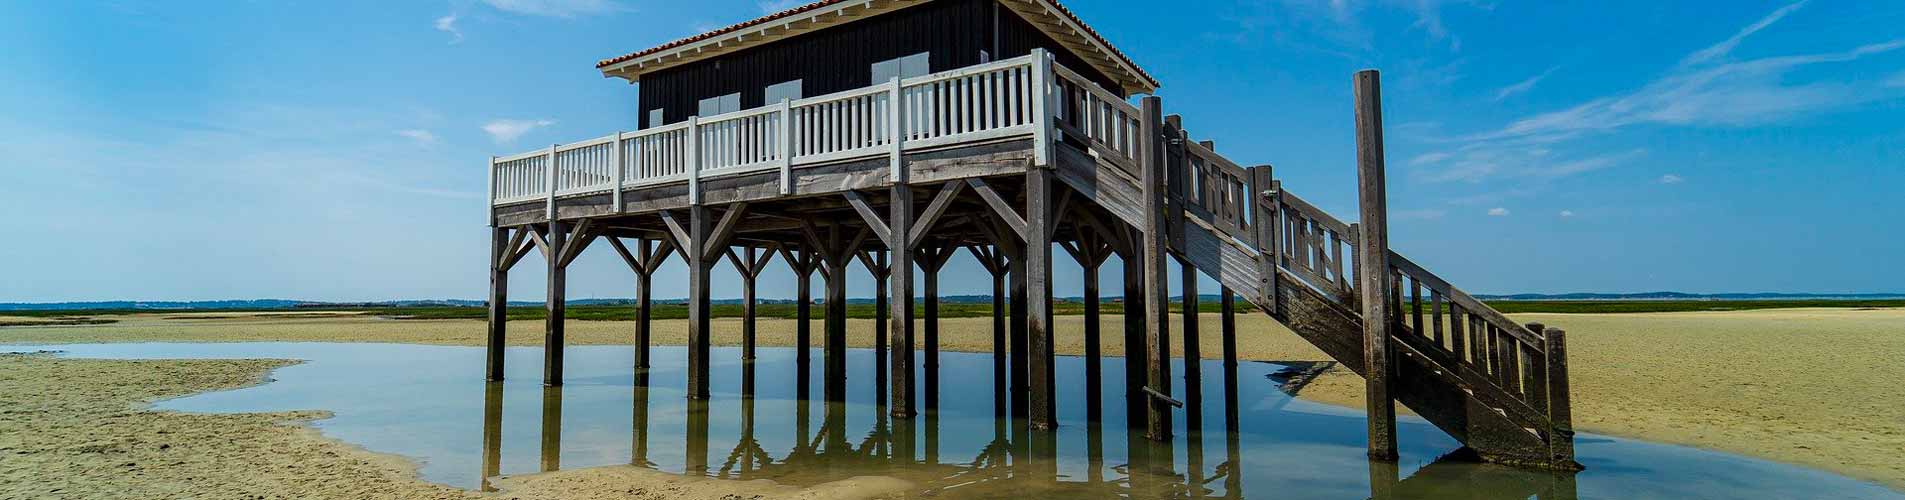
<point x="1497" y="386"/>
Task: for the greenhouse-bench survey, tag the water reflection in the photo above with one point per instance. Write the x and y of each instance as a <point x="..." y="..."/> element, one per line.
<point x="429" y="403"/>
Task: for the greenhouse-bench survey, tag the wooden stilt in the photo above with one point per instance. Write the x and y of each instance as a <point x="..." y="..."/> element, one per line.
<point x="500" y="259"/>
<point x="555" y="305"/>
<point x="551" y="428"/>
<point x="1038" y="292"/>
<point x="1193" y="355"/>
<point x="1229" y="304"/>
<point x="1020" y="345"/>
<point x="900" y="226"/>
<point x="1135" y="368"/>
<point x="1157" y="339"/>
<point x="801" y="261"/>
<point x="699" y="323"/>
<point x="644" y="313"/>
<point x="929" y="289"/>
<point x="1373" y="272"/>
<point x="747" y="300"/>
<point x="836" y="342"/>
<point x="1094" y="371"/>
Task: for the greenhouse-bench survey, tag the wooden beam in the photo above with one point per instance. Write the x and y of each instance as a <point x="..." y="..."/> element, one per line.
<point x="676" y="233"/>
<point x="555" y="307"/>
<point x="934" y="210"/>
<point x="724" y="231"/>
<point x="999" y="206"/>
<point x="872" y="218"/>
<point x="1157" y="318"/>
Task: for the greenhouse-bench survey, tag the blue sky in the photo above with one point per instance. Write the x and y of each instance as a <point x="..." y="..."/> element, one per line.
<point x="334" y="150"/>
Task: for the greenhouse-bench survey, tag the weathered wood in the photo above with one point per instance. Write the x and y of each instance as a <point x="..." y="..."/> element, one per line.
<point x="1560" y="409"/>
<point x="1157" y="340"/>
<point x="1193" y="356"/>
<point x="699" y="322"/>
<point x="723" y="232"/>
<point x="835" y="345"/>
<point x="1228" y="312"/>
<point x="555" y="305"/>
<point x="900" y="217"/>
<point x="931" y="259"/>
<point x="947" y="193"/>
<point x="1135" y="327"/>
<point x="501" y="246"/>
<point x="1094" y="383"/>
<point x="801" y="261"/>
<point x="1000" y="207"/>
<point x="1373" y="278"/>
<point x="866" y="212"/>
<point x="1043" y="414"/>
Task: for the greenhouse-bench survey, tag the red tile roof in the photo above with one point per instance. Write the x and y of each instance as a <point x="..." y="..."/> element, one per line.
<point x="823" y="3"/>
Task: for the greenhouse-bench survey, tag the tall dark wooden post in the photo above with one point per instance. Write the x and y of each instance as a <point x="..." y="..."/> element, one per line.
<point x="900" y="226"/>
<point x="1135" y="327"/>
<point x="1021" y="347"/>
<point x="932" y="257"/>
<point x="803" y="307"/>
<point x="1193" y="355"/>
<point x="991" y="258"/>
<point x="1157" y="338"/>
<point x="836" y="342"/>
<point x="1094" y="369"/>
<point x="1229" y="303"/>
<point x="1373" y="274"/>
<point x="749" y="276"/>
<point x="500" y="257"/>
<point x="555" y="304"/>
<point x="645" y="303"/>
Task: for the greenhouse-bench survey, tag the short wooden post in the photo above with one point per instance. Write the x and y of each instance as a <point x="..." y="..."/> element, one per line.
<point x="784" y="134"/>
<point x="1374" y="271"/>
<point x="699" y="324"/>
<point x="615" y="174"/>
<point x="1560" y="411"/>
<point x="555" y="305"/>
<point x="550" y="176"/>
<point x="1264" y="221"/>
<point x="895" y="128"/>
<point x="1156" y="295"/>
<point x="694" y="160"/>
<point x="1042" y="109"/>
<point x="499" y="255"/>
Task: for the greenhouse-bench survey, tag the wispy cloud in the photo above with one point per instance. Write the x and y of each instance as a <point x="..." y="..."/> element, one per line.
<point x="447" y="24"/>
<point x="1704" y="90"/>
<point x="1341" y="25"/>
<point x="1670" y="179"/>
<point x="1418" y="214"/>
<point x="1498" y="212"/>
<point x="1567" y="213"/>
<point x="1726" y="46"/>
<point x="1523" y="86"/>
<point x="506" y="130"/>
<point x="557" y="8"/>
<point x="422" y="136"/>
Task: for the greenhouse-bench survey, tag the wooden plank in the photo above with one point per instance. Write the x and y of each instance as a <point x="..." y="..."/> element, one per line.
<point x="947" y="193"/>
<point x="723" y="232"/>
<point x="872" y="219"/>
<point x="1374" y="276"/>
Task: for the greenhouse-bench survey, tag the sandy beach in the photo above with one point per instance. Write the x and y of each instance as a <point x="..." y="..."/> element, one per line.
<point x="1814" y="387"/>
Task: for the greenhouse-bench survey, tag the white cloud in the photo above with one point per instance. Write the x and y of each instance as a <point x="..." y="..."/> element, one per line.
<point x="447" y="24"/>
<point x="1523" y="86"/>
<point x="556" y="8"/>
<point x="1427" y="158"/>
<point x="1567" y="213"/>
<point x="1726" y="46"/>
<point x="1498" y="212"/>
<point x="1671" y="179"/>
<point x="503" y="131"/>
<point x="422" y="136"/>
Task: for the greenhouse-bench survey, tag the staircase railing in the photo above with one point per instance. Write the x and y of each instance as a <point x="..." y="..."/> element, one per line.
<point x="1519" y="370"/>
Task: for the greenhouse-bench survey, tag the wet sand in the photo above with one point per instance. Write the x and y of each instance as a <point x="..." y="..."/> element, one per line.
<point x="1815" y="387"/>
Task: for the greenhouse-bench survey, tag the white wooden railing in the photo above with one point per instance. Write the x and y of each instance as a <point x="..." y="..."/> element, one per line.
<point x="1026" y="96"/>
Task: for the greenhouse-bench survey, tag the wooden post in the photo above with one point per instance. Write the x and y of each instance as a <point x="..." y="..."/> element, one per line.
<point x="1374" y="272"/>
<point x="551" y="428"/>
<point x="698" y="302"/>
<point x="1264" y="221"/>
<point x="747" y="308"/>
<point x="1157" y="334"/>
<point x="1560" y="413"/>
<point x="1229" y="306"/>
<point x="499" y="254"/>
<point x="930" y="259"/>
<point x="803" y="308"/>
<point x="644" y="308"/>
<point x="555" y="305"/>
<point x="1193" y="356"/>
<point x="1134" y="340"/>
<point x="836" y="341"/>
<point x="1094" y="370"/>
<point x="880" y="277"/>
<point x="999" y="312"/>
<point x="1020" y="342"/>
<point x="900" y="224"/>
<point x="1038" y="292"/>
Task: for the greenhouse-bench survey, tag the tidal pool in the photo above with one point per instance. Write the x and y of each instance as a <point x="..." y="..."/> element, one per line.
<point x="766" y="420"/>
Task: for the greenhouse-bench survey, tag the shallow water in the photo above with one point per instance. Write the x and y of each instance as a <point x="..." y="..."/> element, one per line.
<point x="429" y="403"/>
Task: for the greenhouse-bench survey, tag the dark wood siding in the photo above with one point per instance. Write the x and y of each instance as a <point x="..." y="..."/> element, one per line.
<point x="841" y="57"/>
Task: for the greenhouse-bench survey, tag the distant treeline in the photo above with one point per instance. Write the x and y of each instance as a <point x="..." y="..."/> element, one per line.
<point x="962" y="309"/>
